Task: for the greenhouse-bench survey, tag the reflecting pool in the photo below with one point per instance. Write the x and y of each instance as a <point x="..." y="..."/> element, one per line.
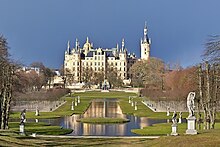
<point x="105" y="108"/>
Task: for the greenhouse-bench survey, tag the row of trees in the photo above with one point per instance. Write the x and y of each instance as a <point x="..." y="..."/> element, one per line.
<point x="209" y="83"/>
<point x="91" y="77"/>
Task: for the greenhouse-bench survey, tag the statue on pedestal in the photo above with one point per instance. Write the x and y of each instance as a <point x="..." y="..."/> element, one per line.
<point x="190" y="103"/>
<point x="174" y="118"/>
<point x="191" y="120"/>
<point x="22" y="117"/>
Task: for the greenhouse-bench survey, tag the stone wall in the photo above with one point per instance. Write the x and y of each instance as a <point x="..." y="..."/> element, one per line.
<point x="43" y="106"/>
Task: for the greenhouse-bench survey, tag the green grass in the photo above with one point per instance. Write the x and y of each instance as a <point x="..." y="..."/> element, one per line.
<point x="86" y="98"/>
<point x="164" y="129"/>
<point x="103" y="120"/>
<point x="40" y="128"/>
<point x="206" y="138"/>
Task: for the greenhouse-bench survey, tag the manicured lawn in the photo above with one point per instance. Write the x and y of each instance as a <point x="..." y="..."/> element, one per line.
<point x="40" y="128"/>
<point x="164" y="129"/>
<point x="86" y="98"/>
<point x="207" y="138"/>
<point x="103" y="120"/>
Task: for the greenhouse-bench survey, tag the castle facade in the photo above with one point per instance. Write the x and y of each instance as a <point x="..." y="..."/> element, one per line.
<point x="87" y="58"/>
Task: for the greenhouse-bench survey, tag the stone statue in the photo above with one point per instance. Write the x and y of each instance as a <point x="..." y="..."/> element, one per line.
<point x="180" y="118"/>
<point x="174" y="117"/>
<point x="168" y="111"/>
<point x="22" y="116"/>
<point x="190" y="103"/>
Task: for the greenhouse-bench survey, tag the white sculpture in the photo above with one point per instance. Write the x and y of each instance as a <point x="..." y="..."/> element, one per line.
<point x="174" y="118"/>
<point x="180" y="118"/>
<point x="190" y="103"/>
<point x="168" y="111"/>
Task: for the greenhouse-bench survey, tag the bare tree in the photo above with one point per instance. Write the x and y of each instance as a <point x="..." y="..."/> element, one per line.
<point x="6" y="74"/>
<point x="209" y="92"/>
<point x="212" y="49"/>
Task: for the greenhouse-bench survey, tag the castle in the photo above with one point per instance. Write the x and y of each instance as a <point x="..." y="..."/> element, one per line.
<point x="79" y="59"/>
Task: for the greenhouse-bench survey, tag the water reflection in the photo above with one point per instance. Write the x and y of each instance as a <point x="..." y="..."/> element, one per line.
<point x="106" y="129"/>
<point x="102" y="108"/>
<point x="106" y="108"/>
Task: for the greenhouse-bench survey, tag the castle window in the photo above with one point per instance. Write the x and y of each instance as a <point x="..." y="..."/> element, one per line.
<point x="95" y="57"/>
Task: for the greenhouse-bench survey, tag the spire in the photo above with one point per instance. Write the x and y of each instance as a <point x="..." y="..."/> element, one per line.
<point x="145" y="24"/>
<point x="77" y="44"/>
<point x="123" y="44"/>
<point x="145" y="32"/>
<point x="117" y="47"/>
<point x="68" y="46"/>
<point x="87" y="39"/>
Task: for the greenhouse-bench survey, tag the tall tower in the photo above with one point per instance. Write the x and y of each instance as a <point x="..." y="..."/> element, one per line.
<point x="145" y="45"/>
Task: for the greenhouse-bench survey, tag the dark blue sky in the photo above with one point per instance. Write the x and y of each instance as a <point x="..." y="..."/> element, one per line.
<point x="39" y="30"/>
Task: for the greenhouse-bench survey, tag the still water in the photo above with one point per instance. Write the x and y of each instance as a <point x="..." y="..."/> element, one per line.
<point x="104" y="108"/>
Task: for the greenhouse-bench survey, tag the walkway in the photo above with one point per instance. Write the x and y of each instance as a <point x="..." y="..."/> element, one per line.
<point x="62" y="136"/>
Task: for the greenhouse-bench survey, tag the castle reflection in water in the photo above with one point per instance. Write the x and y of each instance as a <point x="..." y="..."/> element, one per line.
<point x="105" y="108"/>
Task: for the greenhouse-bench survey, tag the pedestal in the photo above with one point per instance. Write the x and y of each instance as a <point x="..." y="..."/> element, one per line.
<point x="132" y="103"/>
<point x="104" y="90"/>
<point x="21" y="130"/>
<point x="180" y="120"/>
<point x="174" y="130"/>
<point x="72" y="107"/>
<point x="75" y="103"/>
<point x="135" y="107"/>
<point x="191" y="125"/>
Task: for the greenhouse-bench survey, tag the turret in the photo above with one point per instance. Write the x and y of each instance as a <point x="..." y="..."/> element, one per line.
<point x="145" y="45"/>
<point x="68" y="47"/>
<point x="123" y="44"/>
<point x="77" y="44"/>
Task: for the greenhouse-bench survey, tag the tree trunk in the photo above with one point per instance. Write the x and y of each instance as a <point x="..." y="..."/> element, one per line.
<point x="208" y="96"/>
<point x="201" y="101"/>
<point x="9" y="95"/>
